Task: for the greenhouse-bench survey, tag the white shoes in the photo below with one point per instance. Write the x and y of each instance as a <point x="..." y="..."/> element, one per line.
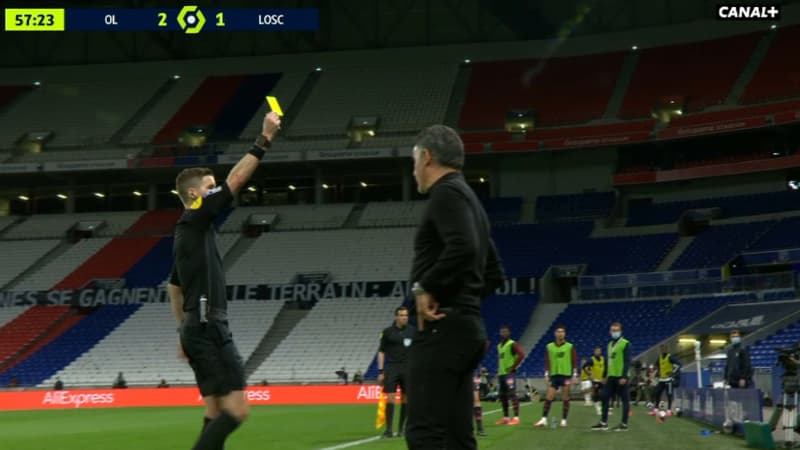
<point x="542" y="422"/>
<point x="563" y="423"/>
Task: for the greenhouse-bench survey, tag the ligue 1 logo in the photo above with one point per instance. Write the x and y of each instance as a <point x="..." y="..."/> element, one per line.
<point x="749" y="12"/>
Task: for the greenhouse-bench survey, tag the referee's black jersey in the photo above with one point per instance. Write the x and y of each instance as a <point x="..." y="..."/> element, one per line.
<point x="395" y="343"/>
<point x="198" y="266"/>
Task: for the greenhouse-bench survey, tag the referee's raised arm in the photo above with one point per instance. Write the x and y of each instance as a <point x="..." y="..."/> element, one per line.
<point x="244" y="169"/>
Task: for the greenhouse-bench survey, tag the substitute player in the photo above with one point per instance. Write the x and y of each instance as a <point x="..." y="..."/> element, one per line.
<point x="509" y="357"/>
<point x="197" y="291"/>
<point x="560" y="371"/>
<point x="667" y="367"/>
<point x="392" y="367"/>
<point x="586" y="381"/>
<point x="616" y="378"/>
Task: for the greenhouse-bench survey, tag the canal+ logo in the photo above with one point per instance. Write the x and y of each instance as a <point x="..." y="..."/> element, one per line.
<point x="749" y="12"/>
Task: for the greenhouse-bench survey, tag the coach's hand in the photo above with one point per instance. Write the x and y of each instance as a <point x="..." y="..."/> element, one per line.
<point x="427" y="310"/>
<point x="380" y="379"/>
<point x="623" y="381"/>
<point x="271" y="125"/>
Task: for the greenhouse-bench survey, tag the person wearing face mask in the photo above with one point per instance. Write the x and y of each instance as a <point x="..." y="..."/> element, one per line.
<point x="738" y="370"/>
<point x="615" y="376"/>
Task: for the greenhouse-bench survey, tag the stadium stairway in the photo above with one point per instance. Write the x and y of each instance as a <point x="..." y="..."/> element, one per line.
<point x="242" y="105"/>
<point x="749" y="71"/>
<point x="53" y="254"/>
<point x="683" y="243"/>
<point x="71" y="344"/>
<point x="623" y="80"/>
<point x="542" y="318"/>
<point x="201" y="108"/>
<point x="27" y="327"/>
<point x="284" y="323"/>
<point x="143" y="111"/>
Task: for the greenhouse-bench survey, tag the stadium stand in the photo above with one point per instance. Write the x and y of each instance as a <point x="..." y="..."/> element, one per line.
<point x="645" y="323"/>
<point x="168" y="104"/>
<point x="717" y="244"/>
<point x="51" y="272"/>
<point x="7" y="221"/>
<point x="43" y="226"/>
<point x="292" y="217"/>
<point x="499" y="310"/>
<point x="285" y="91"/>
<point x="69" y="345"/>
<point x="349" y="255"/>
<point x="593" y="205"/>
<point x="137" y="347"/>
<point x="23" y="254"/>
<point x="153" y="267"/>
<point x="8" y="313"/>
<point x="103" y="108"/>
<point x="338" y="332"/>
<point x="503" y="210"/>
<point x="762" y="352"/>
<point x="778" y="76"/>
<point x="27" y="327"/>
<point x="402" y="99"/>
<point x="10" y="94"/>
<point x="644" y="211"/>
<point x="111" y="262"/>
<point x="783" y="235"/>
<point x="541" y="86"/>
<point x="528" y="250"/>
<point x="655" y="75"/>
<point x="392" y="214"/>
<point x="201" y="108"/>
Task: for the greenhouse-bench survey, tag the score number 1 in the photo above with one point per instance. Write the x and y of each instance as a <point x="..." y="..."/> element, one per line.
<point x="220" y="19"/>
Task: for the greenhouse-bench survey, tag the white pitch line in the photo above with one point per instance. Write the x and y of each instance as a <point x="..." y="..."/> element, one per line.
<point x="375" y="438"/>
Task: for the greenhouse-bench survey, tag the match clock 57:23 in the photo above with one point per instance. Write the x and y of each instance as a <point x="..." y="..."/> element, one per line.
<point x="33" y="19"/>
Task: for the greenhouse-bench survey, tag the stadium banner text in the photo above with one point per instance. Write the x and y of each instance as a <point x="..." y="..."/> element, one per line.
<point x="309" y="292"/>
<point x="715" y="406"/>
<point x="185" y="396"/>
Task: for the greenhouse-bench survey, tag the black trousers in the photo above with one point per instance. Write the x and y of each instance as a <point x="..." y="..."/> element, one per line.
<point x="611" y="389"/>
<point x="442" y="359"/>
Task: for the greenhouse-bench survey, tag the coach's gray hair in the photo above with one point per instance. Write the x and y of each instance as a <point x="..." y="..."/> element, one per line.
<point x="444" y="144"/>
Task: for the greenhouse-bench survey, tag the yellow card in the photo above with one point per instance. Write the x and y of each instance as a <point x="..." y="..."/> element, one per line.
<point x="273" y="105"/>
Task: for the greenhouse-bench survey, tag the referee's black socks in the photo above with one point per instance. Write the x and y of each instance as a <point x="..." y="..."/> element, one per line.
<point x="213" y="438"/>
<point x="401" y="426"/>
<point x="389" y="416"/>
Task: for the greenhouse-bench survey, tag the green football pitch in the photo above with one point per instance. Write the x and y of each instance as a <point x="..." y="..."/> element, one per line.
<point x="330" y="427"/>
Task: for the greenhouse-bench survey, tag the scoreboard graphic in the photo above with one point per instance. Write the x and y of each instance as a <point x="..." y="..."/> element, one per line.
<point x="189" y="19"/>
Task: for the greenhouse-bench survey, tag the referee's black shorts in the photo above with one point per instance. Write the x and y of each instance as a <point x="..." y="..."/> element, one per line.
<point x="393" y="377"/>
<point x="217" y="365"/>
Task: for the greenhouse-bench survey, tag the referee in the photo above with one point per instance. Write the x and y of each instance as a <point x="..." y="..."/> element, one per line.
<point x="392" y="358"/>
<point x="455" y="266"/>
<point x="197" y="292"/>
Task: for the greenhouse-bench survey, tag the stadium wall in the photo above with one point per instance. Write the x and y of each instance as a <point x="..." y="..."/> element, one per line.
<point x="185" y="396"/>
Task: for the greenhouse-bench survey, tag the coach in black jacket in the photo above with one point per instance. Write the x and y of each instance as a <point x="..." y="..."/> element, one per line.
<point x="738" y="370"/>
<point x="455" y="267"/>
